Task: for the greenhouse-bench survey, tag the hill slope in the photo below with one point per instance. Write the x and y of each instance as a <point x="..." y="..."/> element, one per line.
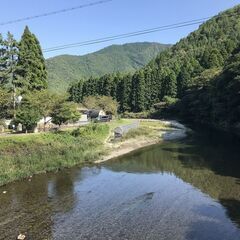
<point x="64" y="69"/>
<point x="202" y="70"/>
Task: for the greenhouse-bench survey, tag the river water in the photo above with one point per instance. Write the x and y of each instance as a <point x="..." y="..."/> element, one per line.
<point x="177" y="190"/>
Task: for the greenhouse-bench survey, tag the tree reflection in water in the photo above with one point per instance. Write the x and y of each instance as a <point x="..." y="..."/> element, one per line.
<point x="209" y="162"/>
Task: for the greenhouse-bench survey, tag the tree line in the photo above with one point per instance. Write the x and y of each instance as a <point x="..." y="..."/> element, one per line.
<point x="217" y="103"/>
<point x="24" y="97"/>
<point x="190" y="66"/>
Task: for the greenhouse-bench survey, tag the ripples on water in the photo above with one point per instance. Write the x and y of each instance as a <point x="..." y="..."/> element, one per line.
<point x="188" y="189"/>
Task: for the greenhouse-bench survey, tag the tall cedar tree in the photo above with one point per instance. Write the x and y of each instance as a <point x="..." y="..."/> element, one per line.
<point x="8" y="60"/>
<point x="8" y="68"/>
<point x="31" y="64"/>
<point x="138" y="100"/>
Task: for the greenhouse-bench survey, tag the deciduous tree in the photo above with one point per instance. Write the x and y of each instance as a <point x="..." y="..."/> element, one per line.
<point x="65" y="112"/>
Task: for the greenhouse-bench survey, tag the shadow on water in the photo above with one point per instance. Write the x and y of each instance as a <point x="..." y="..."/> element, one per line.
<point x="201" y="231"/>
<point x="207" y="228"/>
<point x="232" y="207"/>
<point x="209" y="161"/>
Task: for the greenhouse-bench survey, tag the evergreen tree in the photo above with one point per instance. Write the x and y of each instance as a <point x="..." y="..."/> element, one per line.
<point x="107" y="85"/>
<point x="8" y="66"/>
<point x="123" y="93"/>
<point x="148" y="88"/>
<point x="156" y="85"/>
<point x="183" y="80"/>
<point x="138" y="92"/>
<point x="169" y="87"/>
<point x="115" y="82"/>
<point x="31" y="64"/>
<point x="76" y="92"/>
<point x="8" y="60"/>
<point x="213" y="58"/>
<point x="5" y="103"/>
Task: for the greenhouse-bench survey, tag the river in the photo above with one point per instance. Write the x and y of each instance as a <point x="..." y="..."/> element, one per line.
<point x="187" y="189"/>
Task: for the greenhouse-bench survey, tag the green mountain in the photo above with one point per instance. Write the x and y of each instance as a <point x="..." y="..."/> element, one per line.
<point x="65" y="69"/>
<point x="201" y="71"/>
<point x="205" y="73"/>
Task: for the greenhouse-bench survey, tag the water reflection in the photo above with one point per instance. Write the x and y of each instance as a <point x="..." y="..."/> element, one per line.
<point x="209" y="163"/>
<point x="177" y="190"/>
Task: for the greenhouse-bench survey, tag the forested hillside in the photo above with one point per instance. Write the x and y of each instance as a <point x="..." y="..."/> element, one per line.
<point x="65" y="69"/>
<point x="207" y="59"/>
<point x="217" y="103"/>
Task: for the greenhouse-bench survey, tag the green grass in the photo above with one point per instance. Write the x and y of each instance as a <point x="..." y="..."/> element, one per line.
<point x="154" y="124"/>
<point x="119" y="122"/>
<point x="149" y="129"/>
<point x="22" y="156"/>
<point x="25" y="155"/>
<point x="141" y="131"/>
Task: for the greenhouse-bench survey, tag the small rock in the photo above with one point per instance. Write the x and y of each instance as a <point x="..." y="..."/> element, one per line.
<point x="21" y="237"/>
<point x="4" y="192"/>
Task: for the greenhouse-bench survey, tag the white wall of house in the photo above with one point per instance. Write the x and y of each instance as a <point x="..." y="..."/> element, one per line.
<point x="102" y="113"/>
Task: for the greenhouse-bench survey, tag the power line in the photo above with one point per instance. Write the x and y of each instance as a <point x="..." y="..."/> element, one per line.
<point x="55" y="12"/>
<point x="127" y="35"/>
<point x="132" y="34"/>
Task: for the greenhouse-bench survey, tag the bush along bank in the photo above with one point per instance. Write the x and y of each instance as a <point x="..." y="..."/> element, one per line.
<point x="23" y="156"/>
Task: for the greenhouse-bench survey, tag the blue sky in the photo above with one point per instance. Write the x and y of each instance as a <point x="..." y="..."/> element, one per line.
<point x="112" y="18"/>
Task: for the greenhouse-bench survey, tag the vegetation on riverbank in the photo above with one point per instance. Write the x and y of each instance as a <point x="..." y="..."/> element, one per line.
<point x="23" y="156"/>
<point x="147" y="129"/>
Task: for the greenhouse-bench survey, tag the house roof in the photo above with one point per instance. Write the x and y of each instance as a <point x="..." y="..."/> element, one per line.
<point x="93" y="113"/>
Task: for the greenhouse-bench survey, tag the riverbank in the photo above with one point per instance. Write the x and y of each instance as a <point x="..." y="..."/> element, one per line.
<point x="126" y="147"/>
<point x="150" y="132"/>
<point x="21" y="157"/>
